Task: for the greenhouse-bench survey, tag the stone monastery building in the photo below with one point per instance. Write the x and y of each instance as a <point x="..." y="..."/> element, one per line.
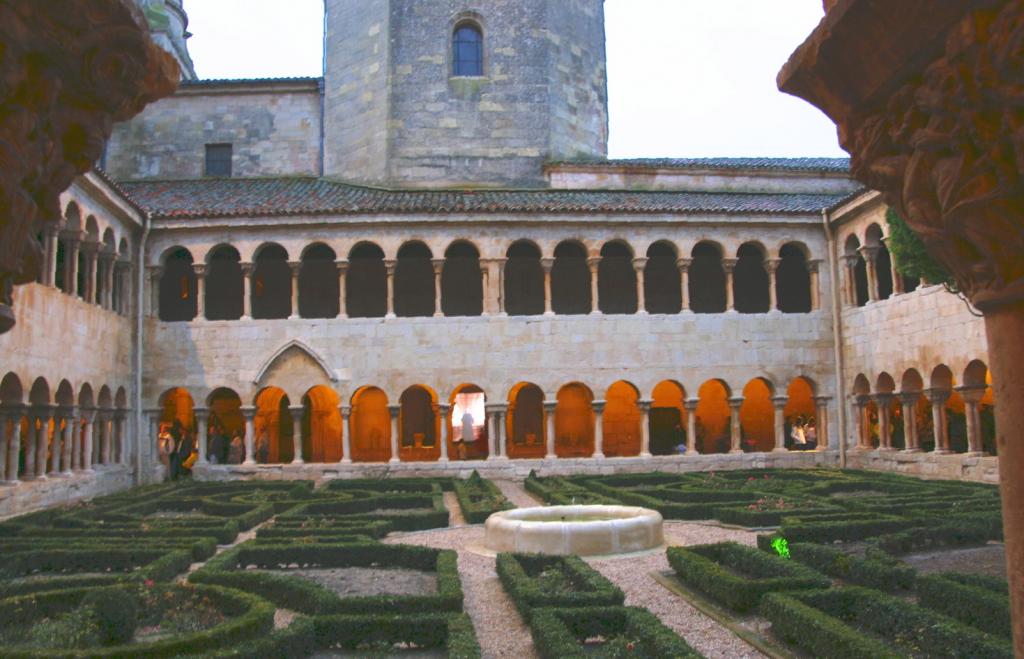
<point x="423" y="262"/>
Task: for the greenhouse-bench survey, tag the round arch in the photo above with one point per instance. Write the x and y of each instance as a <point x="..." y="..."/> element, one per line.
<point x="321" y="425"/>
<point x="469" y="432"/>
<point x="526" y="421"/>
<point x="524" y="279"/>
<point x="570" y="279"/>
<point x="574" y="421"/>
<point x="273" y="427"/>
<point x="366" y="288"/>
<point x="668" y="418"/>
<point x="616" y="279"/>
<point x="418" y="425"/>
<point x="621" y="420"/>
<point x="713" y="417"/>
<point x="462" y="291"/>
<point x="757" y="417"/>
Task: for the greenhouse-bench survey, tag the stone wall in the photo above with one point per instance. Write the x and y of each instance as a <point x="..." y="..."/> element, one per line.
<point x="274" y="128"/>
<point x="63" y="490"/>
<point x="611" y="177"/>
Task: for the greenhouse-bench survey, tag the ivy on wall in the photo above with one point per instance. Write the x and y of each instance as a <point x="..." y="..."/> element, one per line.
<point x="910" y="257"/>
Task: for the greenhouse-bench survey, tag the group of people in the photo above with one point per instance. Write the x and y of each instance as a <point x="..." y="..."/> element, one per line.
<point x="803" y="435"/>
<point x="223" y="448"/>
<point x="178" y="452"/>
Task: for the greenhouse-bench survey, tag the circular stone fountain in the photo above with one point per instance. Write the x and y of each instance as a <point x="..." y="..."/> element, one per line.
<point x="581" y="530"/>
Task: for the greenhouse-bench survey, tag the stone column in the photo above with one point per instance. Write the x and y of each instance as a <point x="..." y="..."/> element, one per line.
<point x="645" y="426"/>
<point x="389" y="272"/>
<point x="972" y="395"/>
<point x="850" y="280"/>
<point x="92" y="257"/>
<point x="395" y="410"/>
<point x="342" y="272"/>
<point x="485" y="287"/>
<point x="940" y="426"/>
<point x="89" y="416"/>
<point x="77" y="440"/>
<point x="691" y="425"/>
<point x="735" y="429"/>
<point x="639" y="264"/>
<point x="43" y="441"/>
<point x="74" y="245"/>
<point x="908" y="400"/>
<point x="547" y="264"/>
<point x="13" y="444"/>
<point x="4" y="443"/>
<point x="598" y="406"/>
<point x="863" y="421"/>
<point x="821" y="421"/>
<point x="443" y="410"/>
<point x="249" y="413"/>
<point x="501" y="438"/>
<point x="346" y="435"/>
<point x="684" y="283"/>
<point x="549" y="420"/>
<point x="247" y="270"/>
<point x="30" y="440"/>
<point x="779" y="408"/>
<point x="155" y="273"/>
<point x="109" y="259"/>
<point x="492" y="430"/>
<point x="771" y="266"/>
<point x="729" y="265"/>
<point x="202" y="430"/>
<point x="501" y="263"/>
<point x="594" y="264"/>
<point x="297" y="411"/>
<point x="56" y="450"/>
<point x="121" y="436"/>
<point x="124" y="287"/>
<point x="296" y="267"/>
<point x="869" y="253"/>
<point x="883" y="402"/>
<point x="813" y="266"/>
<point x="71" y="424"/>
<point x="438" y="270"/>
<point x="50" y="272"/>
<point x="200" y="270"/>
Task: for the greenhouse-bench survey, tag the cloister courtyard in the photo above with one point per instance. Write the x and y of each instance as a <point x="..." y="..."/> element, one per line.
<point x="875" y="564"/>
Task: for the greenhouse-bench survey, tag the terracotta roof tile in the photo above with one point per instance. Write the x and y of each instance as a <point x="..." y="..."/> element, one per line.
<point x="829" y="165"/>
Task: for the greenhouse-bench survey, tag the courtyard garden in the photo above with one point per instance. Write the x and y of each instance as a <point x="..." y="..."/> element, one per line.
<point x="800" y="563"/>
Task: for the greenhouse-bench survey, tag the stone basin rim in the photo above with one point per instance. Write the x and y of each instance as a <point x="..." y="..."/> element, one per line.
<point x="544" y="530"/>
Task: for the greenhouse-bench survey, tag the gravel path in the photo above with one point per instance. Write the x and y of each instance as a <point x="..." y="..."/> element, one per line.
<point x="515" y="493"/>
<point x="451" y="502"/>
<point x="499" y="628"/>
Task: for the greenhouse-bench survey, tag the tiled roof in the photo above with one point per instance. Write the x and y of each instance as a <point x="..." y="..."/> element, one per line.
<point x="246" y="81"/>
<point x="312" y="196"/>
<point x="780" y="164"/>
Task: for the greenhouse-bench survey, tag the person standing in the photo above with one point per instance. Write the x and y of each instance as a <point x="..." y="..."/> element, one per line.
<point x="174" y="458"/>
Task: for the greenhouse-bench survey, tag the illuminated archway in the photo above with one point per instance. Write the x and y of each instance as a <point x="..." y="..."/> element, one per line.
<point x="574" y="422"/>
<point x="621" y="420"/>
<point x="418" y="425"/>
<point x="226" y="420"/>
<point x="469" y="431"/>
<point x="757" y="417"/>
<point x="713" y="418"/>
<point x="370" y="426"/>
<point x="668" y="418"/>
<point x="526" y="422"/>
<point x="273" y="427"/>
<point x="321" y="425"/>
<point x="800" y="411"/>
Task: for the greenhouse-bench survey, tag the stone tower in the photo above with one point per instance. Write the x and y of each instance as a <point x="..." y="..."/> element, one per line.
<point x="169" y="25"/>
<point x="396" y="113"/>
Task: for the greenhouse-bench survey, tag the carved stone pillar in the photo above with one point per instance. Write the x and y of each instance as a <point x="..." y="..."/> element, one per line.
<point x="813" y="266"/>
<point x="821" y="421"/>
<point x="491" y="424"/>
<point x="644" y="405"/>
<point x="59" y="414"/>
<point x="850" y="279"/>
<point x="598" y="406"/>
<point x="908" y="401"/>
<point x="940" y="425"/>
<point x="30" y="438"/>
<point x="202" y="430"/>
<point x="89" y="419"/>
<point x="73" y="240"/>
<point x="296" y="267"/>
<point x="249" y="413"/>
<point x="91" y="251"/>
<point x="342" y="272"/>
<point x="109" y="260"/>
<point x="443" y="410"/>
<point x="72" y="425"/>
<point x="691" y="425"/>
<point x="395" y="411"/>
<point x="972" y="395"/>
<point x="883" y="403"/>
<point x="297" y="411"/>
<point x="771" y="266"/>
<point x="200" y="270"/>
<point x="121" y="437"/>
<point x="550" y="407"/>
<point x="684" y="283"/>
<point x="52" y="232"/>
<point x="389" y="272"/>
<point x="5" y="438"/>
<point x="500" y="292"/>
<point x="502" y="436"/>
<point x="870" y="255"/>
<point x="124" y="287"/>
<point x="13" y="415"/>
<point x="735" y="429"/>
<point x="779" y="409"/>
<point x="639" y="264"/>
<point x="107" y="447"/>
<point x="594" y="264"/>
<point x="859" y="404"/>
<point x="247" y="270"/>
<point x="43" y="441"/>
<point x="729" y="265"/>
<point x="438" y="271"/>
<point x="547" y="264"/>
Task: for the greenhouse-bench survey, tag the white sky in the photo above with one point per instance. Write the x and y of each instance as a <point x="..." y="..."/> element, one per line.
<point x="686" y="78"/>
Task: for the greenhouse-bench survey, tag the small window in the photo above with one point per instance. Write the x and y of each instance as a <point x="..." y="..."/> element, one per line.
<point x="468" y="51"/>
<point x="218" y="160"/>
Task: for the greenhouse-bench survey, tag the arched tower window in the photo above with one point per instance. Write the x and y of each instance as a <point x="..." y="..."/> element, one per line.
<point x="467" y="51"/>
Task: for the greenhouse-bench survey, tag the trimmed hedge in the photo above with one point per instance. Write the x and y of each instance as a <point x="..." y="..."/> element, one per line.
<point x="159" y="565"/>
<point x="737" y="575"/>
<point x="870" y="572"/>
<point x="977" y="601"/>
<point x="229" y="569"/>
<point x="519" y="575"/>
<point x="479" y="498"/>
<point x="974" y="530"/>
<point x="746" y="516"/>
<point x="427" y="511"/>
<point x="452" y="632"/>
<point x="857" y="529"/>
<point x="832" y="619"/>
<point x="560" y="633"/>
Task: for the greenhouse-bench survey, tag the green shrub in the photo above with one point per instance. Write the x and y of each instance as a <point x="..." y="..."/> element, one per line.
<point x="116" y="612"/>
<point x="973" y="600"/>
<point x="380" y="633"/>
<point x="817" y="633"/>
<point x="737" y="575"/>
<point x="479" y="498"/>
<point x="533" y="581"/>
<point x="559" y="633"/>
<point x="870" y="572"/>
<point x="829" y="531"/>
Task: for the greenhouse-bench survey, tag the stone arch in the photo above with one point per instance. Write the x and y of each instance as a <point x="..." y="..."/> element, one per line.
<point x="271" y="283"/>
<point x="526" y="421"/>
<point x="87" y="400"/>
<point x="39" y="394"/>
<point x="11" y="390"/>
<point x="662" y="284"/>
<point x="976" y="374"/>
<point x="366" y="288"/>
<point x="178" y="288"/>
<point x="570" y="279"/>
<point x="792" y="279"/>
<point x="801" y="410"/>
<point x="293" y="367"/>
<point x="524" y="280"/>
<point x="226" y="422"/>
<point x="861" y="385"/>
<point x="370" y="425"/>
<point x="860" y="273"/>
<point x="121" y="399"/>
<point x="472" y="400"/>
<point x="65" y="394"/>
<point x="418" y="425"/>
<point x="468" y="55"/>
<point x="713" y="417"/>
<point x="750" y="279"/>
<point x="884" y="383"/>
<point x="462" y="291"/>
<point x="273" y="427"/>
<point x="707" y="278"/>
<point x="668" y="417"/>
<point x="911" y="381"/>
<point x="941" y="378"/>
<point x="224" y="284"/>
<point x="414" y="281"/>
<point x="574" y="421"/>
<point x="177" y="417"/>
<point x="105" y="399"/>
<point x="321" y="425"/>
<point x="757" y="416"/>
<point x="318" y="282"/>
<point x="616" y="279"/>
<point x="621" y="420"/>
